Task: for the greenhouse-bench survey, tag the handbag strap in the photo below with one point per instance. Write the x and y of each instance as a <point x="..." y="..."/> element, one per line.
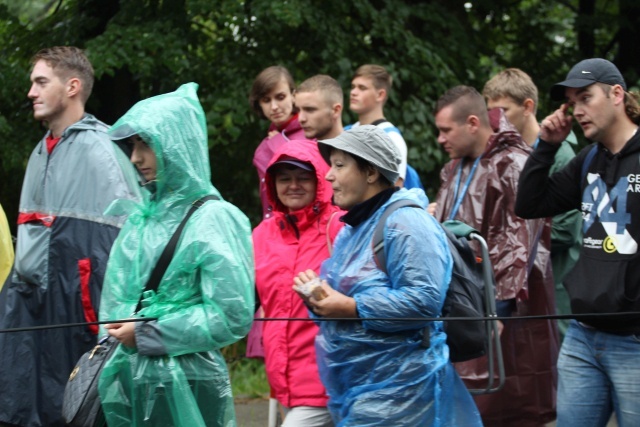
<point x="167" y="253"/>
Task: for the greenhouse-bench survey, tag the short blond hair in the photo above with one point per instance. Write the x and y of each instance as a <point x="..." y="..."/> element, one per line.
<point x="326" y="85"/>
<point x="513" y="83"/>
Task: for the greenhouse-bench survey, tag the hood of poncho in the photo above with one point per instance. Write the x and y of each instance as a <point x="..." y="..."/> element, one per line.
<point x="174" y="126"/>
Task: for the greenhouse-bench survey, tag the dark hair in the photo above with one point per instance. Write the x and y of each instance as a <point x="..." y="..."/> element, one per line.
<point x="265" y="82"/>
<point x="467" y="102"/>
<point x="68" y="62"/>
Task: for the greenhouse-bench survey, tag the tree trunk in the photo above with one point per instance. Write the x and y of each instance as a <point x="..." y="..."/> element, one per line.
<point x="585" y="28"/>
<point x="628" y="57"/>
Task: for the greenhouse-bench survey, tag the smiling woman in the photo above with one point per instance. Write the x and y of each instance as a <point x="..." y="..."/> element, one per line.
<point x="295" y="183"/>
<point x="297" y="236"/>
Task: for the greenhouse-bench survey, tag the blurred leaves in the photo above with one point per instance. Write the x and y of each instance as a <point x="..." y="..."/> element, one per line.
<point x="140" y="48"/>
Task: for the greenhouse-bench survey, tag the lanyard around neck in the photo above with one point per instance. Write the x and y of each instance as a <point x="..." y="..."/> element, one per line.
<point x="456" y="197"/>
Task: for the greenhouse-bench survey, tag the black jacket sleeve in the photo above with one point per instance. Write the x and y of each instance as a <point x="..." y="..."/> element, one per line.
<point x="540" y="195"/>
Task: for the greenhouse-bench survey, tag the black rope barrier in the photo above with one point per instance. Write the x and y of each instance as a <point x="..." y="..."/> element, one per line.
<point x="349" y="319"/>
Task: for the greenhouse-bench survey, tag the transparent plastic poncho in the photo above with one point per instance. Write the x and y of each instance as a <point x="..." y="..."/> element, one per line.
<point x="376" y="371"/>
<point x="205" y="299"/>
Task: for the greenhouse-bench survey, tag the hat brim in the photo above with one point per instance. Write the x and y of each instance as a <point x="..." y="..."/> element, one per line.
<point x="299" y="164"/>
<point x="122" y="132"/>
<point x="557" y="90"/>
<point x="341" y="143"/>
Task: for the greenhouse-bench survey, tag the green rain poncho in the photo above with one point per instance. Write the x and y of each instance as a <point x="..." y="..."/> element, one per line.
<point x="176" y="376"/>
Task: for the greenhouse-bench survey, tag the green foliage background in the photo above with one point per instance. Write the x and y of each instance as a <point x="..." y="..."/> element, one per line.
<point x="140" y="48"/>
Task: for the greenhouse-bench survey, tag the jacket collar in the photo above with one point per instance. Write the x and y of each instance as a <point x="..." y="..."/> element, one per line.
<point x="363" y="211"/>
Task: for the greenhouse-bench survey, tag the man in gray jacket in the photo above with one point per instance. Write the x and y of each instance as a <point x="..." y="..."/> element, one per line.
<point x="64" y="239"/>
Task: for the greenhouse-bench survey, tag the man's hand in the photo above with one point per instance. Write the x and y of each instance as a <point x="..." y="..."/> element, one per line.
<point x="432" y="208"/>
<point x="333" y="305"/>
<point x="123" y="332"/>
<point x="556" y="127"/>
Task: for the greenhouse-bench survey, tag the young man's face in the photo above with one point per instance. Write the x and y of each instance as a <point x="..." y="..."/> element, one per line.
<point x="593" y="109"/>
<point x="364" y="96"/>
<point x="515" y="113"/>
<point x="454" y="137"/>
<point x="47" y="92"/>
<point x="316" y="114"/>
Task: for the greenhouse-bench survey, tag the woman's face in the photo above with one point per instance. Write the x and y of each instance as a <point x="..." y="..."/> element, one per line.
<point x="349" y="183"/>
<point x="143" y="158"/>
<point x="295" y="188"/>
<point x="277" y="105"/>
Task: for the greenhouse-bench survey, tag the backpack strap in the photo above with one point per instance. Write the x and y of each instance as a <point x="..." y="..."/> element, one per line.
<point x="587" y="162"/>
<point x="377" y="241"/>
<point x="167" y="253"/>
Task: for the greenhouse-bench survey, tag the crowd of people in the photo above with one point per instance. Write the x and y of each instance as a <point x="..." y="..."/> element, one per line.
<point x="100" y="204"/>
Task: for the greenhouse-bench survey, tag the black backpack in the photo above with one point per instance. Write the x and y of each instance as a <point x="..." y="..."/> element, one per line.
<point x="465" y="298"/>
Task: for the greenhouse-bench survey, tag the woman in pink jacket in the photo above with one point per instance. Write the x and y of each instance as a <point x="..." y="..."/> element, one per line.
<point x="271" y="98"/>
<point x="298" y="234"/>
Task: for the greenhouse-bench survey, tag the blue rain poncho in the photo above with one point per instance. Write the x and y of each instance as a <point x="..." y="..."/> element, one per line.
<point x="177" y="376"/>
<point x="376" y="372"/>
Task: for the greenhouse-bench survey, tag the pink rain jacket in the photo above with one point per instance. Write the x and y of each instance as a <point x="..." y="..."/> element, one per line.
<point x="284" y="245"/>
<point x="266" y="150"/>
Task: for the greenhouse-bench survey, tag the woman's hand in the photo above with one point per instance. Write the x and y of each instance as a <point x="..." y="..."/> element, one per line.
<point x="123" y="332"/>
<point x="333" y="305"/>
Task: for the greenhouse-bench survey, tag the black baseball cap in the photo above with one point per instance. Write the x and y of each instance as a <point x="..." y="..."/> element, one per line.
<point x="586" y="73"/>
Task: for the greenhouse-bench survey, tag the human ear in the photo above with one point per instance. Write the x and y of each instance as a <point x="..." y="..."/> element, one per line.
<point x="529" y="106"/>
<point x="74" y="86"/>
<point x="337" y="109"/>
<point x="372" y="174"/>
<point x="618" y="94"/>
<point x="473" y="122"/>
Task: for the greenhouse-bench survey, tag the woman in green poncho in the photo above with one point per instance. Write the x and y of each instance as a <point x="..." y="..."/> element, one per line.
<point x="169" y="371"/>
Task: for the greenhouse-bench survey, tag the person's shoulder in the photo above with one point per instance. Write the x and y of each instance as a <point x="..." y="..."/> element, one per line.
<point x="221" y="210"/>
<point x="414" y="196"/>
<point x="90" y="130"/>
<point x="564" y="154"/>
<point x="508" y="148"/>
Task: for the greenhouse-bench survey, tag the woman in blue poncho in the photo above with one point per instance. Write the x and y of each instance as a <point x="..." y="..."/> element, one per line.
<point x="376" y="372"/>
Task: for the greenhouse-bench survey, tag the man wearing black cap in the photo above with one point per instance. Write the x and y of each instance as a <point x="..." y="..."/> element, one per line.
<point x="598" y="364"/>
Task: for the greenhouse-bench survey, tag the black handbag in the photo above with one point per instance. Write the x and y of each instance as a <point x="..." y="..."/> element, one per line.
<point x="81" y="403"/>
